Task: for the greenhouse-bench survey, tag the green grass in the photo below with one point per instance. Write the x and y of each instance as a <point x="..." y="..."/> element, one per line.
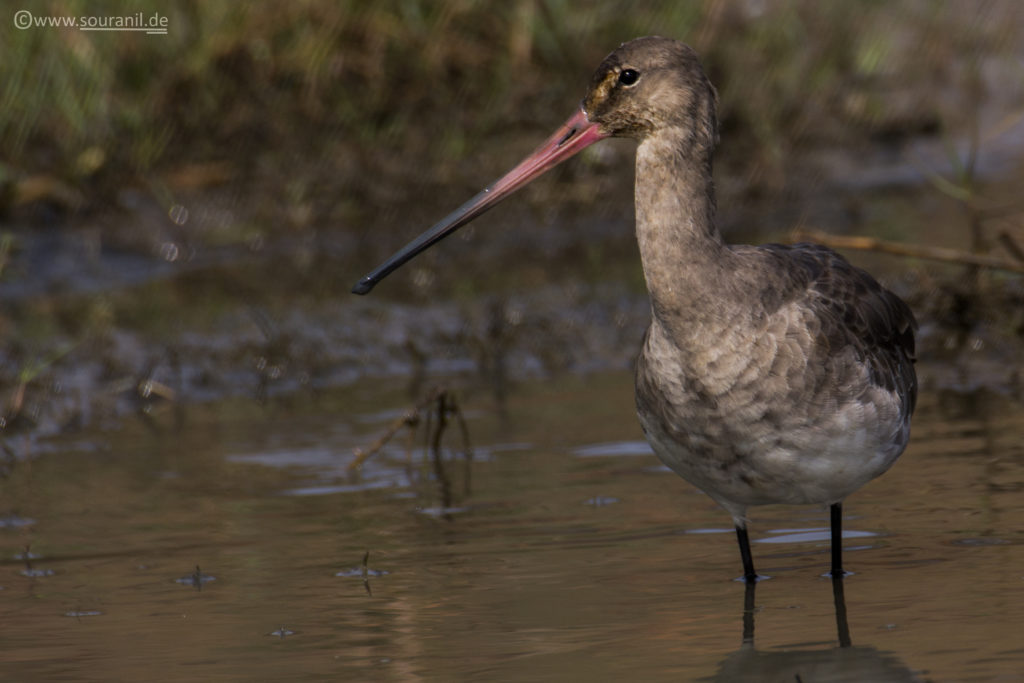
<point x="376" y="73"/>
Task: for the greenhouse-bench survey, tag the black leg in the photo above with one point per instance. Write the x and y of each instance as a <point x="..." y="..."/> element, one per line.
<point x="748" y="611"/>
<point x="749" y="575"/>
<point x="842" y="628"/>
<point x="836" y="511"/>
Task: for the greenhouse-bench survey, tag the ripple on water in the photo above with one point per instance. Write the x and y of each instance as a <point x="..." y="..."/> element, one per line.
<point x="613" y="448"/>
<point x="196" y="579"/>
<point x="600" y="501"/>
<point x="816" y="535"/>
<point x="35" y="573"/>
<point x="328" y="489"/>
<point x="980" y="541"/>
<point x="361" y="572"/>
<point x="282" y="632"/>
<point x="15" y="522"/>
<point x="291" y="457"/>
<point x="440" y="511"/>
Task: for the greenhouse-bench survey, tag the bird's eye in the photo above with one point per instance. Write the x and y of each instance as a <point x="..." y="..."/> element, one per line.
<point x="629" y="76"/>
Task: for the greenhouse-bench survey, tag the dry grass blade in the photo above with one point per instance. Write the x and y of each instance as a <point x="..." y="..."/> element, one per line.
<point x="445" y="404"/>
<point x="1011" y="245"/>
<point x="409" y="418"/>
<point x="944" y="254"/>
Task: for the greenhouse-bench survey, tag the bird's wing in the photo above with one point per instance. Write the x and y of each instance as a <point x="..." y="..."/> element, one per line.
<point x="854" y="310"/>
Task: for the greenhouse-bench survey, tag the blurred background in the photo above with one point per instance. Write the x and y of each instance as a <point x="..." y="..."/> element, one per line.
<point x="182" y="215"/>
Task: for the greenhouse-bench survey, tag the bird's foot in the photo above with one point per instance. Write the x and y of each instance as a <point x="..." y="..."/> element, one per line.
<point x="837" y="574"/>
<point x="756" y="578"/>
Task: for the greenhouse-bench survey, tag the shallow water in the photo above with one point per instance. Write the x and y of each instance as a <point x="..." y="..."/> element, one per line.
<point x="228" y="544"/>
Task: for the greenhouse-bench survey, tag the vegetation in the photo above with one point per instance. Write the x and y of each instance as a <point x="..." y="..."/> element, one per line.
<point x="357" y="82"/>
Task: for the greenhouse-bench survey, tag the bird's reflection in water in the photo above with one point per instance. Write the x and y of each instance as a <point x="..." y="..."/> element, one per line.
<point x="844" y="663"/>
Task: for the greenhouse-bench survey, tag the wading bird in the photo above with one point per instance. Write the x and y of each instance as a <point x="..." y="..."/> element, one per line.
<point x="769" y="374"/>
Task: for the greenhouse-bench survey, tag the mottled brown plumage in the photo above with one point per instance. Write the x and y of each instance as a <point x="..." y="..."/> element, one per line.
<point x="770" y="374"/>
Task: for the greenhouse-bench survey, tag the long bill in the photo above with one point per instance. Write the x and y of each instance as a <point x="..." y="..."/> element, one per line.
<point x="574" y="135"/>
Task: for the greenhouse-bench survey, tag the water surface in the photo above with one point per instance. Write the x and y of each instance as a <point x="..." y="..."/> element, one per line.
<point x="229" y="544"/>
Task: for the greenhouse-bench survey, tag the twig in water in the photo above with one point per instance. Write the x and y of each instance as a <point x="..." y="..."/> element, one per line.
<point x="467" y="449"/>
<point x="435" y="450"/>
<point x="447" y="405"/>
<point x="1010" y="245"/>
<point x="410" y="418"/>
<point x="435" y="412"/>
<point x="366" y="574"/>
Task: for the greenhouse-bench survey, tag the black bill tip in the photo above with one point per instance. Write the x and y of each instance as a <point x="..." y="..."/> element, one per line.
<point x="364" y="286"/>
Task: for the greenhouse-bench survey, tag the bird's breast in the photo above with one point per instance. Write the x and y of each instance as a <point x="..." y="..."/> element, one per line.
<point x="764" y="414"/>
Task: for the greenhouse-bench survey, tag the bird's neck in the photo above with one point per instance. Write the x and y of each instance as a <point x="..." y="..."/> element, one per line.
<point x="686" y="263"/>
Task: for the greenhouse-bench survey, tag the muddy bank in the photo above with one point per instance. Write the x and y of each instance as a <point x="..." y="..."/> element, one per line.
<point x="266" y="350"/>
